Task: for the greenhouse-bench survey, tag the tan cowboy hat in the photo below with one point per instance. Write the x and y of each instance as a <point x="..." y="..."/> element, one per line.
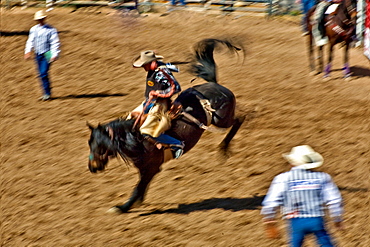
<point x="40" y="15"/>
<point x="304" y="157"/>
<point x="146" y="57"/>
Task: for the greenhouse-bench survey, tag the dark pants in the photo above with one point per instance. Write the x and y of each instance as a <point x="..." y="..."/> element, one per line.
<point x="43" y="68"/>
<point x="299" y="227"/>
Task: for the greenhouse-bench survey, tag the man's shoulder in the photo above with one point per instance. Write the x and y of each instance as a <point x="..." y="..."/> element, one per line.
<point x="33" y="27"/>
<point x="48" y="26"/>
<point x="282" y="176"/>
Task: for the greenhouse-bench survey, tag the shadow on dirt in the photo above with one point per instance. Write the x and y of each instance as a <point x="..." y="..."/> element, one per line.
<point x="232" y="204"/>
<point x="20" y="33"/>
<point x="14" y="33"/>
<point x="88" y="96"/>
<point x="360" y="71"/>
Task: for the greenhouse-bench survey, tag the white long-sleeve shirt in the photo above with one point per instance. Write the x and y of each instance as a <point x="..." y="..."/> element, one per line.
<point x="301" y="194"/>
<point x="43" y="38"/>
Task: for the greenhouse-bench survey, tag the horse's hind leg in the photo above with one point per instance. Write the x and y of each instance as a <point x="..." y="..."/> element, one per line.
<point x="328" y="65"/>
<point x="346" y="69"/>
<point x="238" y="121"/>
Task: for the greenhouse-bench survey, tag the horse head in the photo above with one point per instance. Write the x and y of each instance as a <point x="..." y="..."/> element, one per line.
<point x="351" y="11"/>
<point x="101" y="147"/>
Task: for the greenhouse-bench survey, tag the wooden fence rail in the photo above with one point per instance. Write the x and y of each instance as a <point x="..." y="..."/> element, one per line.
<point x="269" y="7"/>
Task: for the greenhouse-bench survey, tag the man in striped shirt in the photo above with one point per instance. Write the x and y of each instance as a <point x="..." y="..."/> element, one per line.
<point x="303" y="195"/>
<point x="44" y="40"/>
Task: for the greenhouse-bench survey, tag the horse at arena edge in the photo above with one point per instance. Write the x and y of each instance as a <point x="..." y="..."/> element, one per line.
<point x="339" y="27"/>
<point x="119" y="138"/>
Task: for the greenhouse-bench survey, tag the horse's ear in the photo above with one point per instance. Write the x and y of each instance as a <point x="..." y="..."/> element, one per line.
<point x="89" y="125"/>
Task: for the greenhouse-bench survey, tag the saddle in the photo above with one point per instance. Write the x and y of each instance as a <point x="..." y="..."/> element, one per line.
<point x="176" y="110"/>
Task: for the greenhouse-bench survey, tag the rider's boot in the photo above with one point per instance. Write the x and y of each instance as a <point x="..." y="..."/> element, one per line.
<point x="177" y="147"/>
<point x="177" y="150"/>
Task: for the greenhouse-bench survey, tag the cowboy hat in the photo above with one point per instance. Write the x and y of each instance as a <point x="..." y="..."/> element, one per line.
<point x="40" y="15"/>
<point x="304" y="157"/>
<point x="146" y="57"/>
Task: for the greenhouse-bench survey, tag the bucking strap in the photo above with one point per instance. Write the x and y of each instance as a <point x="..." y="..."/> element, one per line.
<point x="193" y="119"/>
<point x="207" y="109"/>
<point x="204" y="102"/>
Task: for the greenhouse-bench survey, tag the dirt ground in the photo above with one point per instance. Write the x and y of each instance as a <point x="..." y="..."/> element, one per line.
<point x="48" y="195"/>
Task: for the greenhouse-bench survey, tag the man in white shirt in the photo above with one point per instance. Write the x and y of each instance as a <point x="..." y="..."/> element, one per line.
<point x="44" y="41"/>
<point x="304" y="195"/>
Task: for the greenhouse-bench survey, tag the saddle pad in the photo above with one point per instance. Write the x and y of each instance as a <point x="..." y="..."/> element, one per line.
<point x="332" y="8"/>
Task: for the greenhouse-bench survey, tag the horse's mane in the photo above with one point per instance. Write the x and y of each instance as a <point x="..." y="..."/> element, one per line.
<point x="125" y="137"/>
<point x="353" y="3"/>
<point x="348" y="6"/>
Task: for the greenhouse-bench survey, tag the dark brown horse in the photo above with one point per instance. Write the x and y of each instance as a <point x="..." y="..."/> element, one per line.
<point x="339" y="27"/>
<point x="120" y="138"/>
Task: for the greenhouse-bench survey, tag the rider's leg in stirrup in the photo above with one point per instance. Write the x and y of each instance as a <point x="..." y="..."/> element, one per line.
<point x="177" y="146"/>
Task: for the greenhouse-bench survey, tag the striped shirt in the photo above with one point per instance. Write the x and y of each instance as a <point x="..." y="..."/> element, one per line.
<point x="302" y="193"/>
<point x="43" y="39"/>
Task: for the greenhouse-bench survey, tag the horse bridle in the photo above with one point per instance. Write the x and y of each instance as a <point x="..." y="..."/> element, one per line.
<point x="104" y="156"/>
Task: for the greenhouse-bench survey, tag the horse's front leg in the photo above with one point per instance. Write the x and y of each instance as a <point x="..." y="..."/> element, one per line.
<point x="330" y="59"/>
<point x="137" y="197"/>
<point x="320" y="54"/>
<point x="311" y="58"/>
<point x="346" y="69"/>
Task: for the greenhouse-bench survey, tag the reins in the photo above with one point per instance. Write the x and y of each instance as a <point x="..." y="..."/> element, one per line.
<point x="147" y="103"/>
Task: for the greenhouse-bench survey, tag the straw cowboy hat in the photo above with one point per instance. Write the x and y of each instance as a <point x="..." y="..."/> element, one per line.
<point x="40" y="15"/>
<point x="304" y="157"/>
<point x="146" y="57"/>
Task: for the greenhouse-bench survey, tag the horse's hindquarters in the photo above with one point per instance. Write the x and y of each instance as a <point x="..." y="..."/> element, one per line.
<point x="222" y="101"/>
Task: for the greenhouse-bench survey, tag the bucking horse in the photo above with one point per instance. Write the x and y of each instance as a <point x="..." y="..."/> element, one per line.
<point x="202" y="106"/>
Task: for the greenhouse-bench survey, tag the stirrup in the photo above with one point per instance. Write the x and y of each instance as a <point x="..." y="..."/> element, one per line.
<point x="177" y="152"/>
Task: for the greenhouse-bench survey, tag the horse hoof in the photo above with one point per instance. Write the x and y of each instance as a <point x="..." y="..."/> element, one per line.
<point x="347" y="78"/>
<point x="313" y="73"/>
<point x="326" y="78"/>
<point x="114" y="210"/>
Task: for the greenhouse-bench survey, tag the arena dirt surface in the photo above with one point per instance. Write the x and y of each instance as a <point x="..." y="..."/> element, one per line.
<point x="48" y="195"/>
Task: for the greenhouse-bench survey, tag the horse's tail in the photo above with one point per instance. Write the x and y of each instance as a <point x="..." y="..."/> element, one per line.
<point x="204" y="65"/>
